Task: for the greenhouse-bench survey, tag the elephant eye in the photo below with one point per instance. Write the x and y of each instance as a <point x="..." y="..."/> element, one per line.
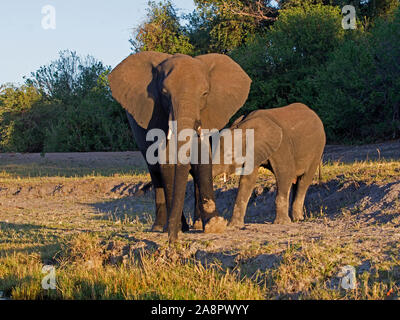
<point x="205" y="93"/>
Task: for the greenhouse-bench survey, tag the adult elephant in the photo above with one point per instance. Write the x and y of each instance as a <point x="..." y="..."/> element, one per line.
<point x="200" y="92"/>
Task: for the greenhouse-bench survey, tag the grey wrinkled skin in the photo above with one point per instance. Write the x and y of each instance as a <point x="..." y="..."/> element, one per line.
<point x="289" y="141"/>
<point x="205" y="92"/>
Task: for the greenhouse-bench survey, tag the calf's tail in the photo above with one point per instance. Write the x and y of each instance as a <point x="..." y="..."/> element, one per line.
<point x="319" y="172"/>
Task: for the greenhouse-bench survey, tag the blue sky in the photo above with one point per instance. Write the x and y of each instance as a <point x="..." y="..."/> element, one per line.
<point x="100" y="28"/>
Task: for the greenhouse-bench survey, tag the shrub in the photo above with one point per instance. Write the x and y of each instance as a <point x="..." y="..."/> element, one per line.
<point x="65" y="106"/>
<point x="23" y="118"/>
<point x="281" y="62"/>
<point x="359" y="88"/>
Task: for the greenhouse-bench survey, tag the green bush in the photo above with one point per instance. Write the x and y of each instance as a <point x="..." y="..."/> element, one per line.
<point x="350" y="78"/>
<point x="359" y="88"/>
<point x="23" y="119"/>
<point x="96" y="123"/>
<point x="282" y="62"/>
<point x="65" y="106"/>
<point x="343" y="101"/>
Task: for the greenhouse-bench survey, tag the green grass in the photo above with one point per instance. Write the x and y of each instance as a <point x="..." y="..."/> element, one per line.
<point x="362" y="171"/>
<point x="82" y="272"/>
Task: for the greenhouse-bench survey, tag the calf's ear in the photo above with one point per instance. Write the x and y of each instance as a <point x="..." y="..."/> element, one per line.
<point x="267" y="137"/>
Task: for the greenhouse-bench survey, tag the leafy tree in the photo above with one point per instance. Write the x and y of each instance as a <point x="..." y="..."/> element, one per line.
<point x="69" y="77"/>
<point x="253" y="58"/>
<point x="282" y="62"/>
<point x="221" y="26"/>
<point x="261" y="11"/>
<point x="385" y="42"/>
<point x="294" y="50"/>
<point x="367" y="10"/>
<point x="20" y="130"/>
<point x="198" y="29"/>
<point x="161" y="31"/>
<point x="65" y="106"/>
<point x="95" y="123"/>
<point x="343" y="101"/>
<point x="359" y="88"/>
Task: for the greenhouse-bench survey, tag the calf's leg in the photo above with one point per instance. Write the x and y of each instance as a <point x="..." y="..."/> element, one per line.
<point x="246" y="186"/>
<point x="303" y="184"/>
<point x="284" y="184"/>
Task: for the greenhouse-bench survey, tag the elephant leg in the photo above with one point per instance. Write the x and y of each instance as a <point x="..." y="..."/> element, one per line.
<point x="302" y="186"/>
<point x="161" y="211"/>
<point x="246" y="186"/>
<point x="284" y="185"/>
<point x="167" y="173"/>
<point x="197" y="223"/>
<point x="212" y="222"/>
<point x="161" y="207"/>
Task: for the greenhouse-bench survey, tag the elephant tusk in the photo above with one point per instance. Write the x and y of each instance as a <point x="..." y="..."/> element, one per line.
<point x="224" y="177"/>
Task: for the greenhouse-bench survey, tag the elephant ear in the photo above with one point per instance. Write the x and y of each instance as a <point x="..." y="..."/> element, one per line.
<point x="229" y="88"/>
<point x="132" y="84"/>
<point x="273" y="134"/>
<point x="268" y="135"/>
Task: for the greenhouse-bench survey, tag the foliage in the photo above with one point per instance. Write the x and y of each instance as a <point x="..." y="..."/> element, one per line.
<point x="161" y="31"/>
<point x="69" y="77"/>
<point x="22" y="130"/>
<point x="221" y="26"/>
<point x="343" y="102"/>
<point x="350" y="78"/>
<point x="359" y="88"/>
<point x="95" y="123"/>
<point x="281" y="61"/>
<point x="367" y="11"/>
<point x="65" y="106"/>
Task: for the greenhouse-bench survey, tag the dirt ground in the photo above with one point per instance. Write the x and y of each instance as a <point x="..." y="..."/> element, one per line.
<point x="340" y="210"/>
<point x="390" y="150"/>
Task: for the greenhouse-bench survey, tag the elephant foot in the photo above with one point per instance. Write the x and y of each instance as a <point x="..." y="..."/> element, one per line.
<point x="236" y="223"/>
<point x="282" y="220"/>
<point x="215" y="225"/>
<point x="174" y="237"/>
<point x="298" y="216"/>
<point x="198" y="225"/>
<point x="157" y="228"/>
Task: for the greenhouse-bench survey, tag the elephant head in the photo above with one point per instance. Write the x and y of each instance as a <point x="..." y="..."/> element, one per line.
<point x="204" y="91"/>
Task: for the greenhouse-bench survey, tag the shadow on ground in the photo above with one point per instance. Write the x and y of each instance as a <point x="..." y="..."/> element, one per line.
<point x="51" y="242"/>
<point x="373" y="202"/>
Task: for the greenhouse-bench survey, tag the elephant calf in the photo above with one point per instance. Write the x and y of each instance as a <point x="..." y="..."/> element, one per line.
<point x="289" y="141"/>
